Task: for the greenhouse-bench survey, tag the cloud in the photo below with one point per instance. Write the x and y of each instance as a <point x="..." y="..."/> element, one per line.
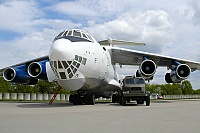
<point x="55" y="24"/>
<point x="106" y="8"/>
<point x="30" y="46"/>
<point x="100" y="8"/>
<point x="25" y="17"/>
<point x="151" y="27"/>
<point x="18" y="15"/>
<point x="196" y="8"/>
<point x="73" y="8"/>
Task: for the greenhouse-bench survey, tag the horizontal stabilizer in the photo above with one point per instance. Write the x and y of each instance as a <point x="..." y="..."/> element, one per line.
<point x="112" y="42"/>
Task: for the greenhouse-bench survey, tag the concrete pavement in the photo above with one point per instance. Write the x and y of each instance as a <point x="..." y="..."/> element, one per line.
<point x="162" y="116"/>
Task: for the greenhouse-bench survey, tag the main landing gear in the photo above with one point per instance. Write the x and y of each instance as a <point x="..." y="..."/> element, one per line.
<point x="77" y="99"/>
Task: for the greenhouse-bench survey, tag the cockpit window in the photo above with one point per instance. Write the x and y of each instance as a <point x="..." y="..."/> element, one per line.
<point x="69" y="33"/>
<point x="75" y="36"/>
<point x="89" y="37"/>
<point x="77" y="33"/>
<point x="84" y="35"/>
<point x="65" y="33"/>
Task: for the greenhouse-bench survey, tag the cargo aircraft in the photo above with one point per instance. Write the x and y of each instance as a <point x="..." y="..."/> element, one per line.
<point x="79" y="63"/>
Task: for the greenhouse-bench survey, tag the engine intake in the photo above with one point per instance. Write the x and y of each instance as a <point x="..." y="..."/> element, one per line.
<point x="183" y="71"/>
<point x="180" y="72"/>
<point x="38" y="70"/>
<point x="146" y="69"/>
<point x="18" y="75"/>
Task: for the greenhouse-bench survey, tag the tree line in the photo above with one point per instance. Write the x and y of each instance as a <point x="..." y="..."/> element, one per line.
<point x="43" y="87"/>
<point x="184" y="88"/>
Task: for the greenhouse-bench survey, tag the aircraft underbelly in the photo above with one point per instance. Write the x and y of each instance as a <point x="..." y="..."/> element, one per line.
<point x="80" y="83"/>
<point x="87" y="84"/>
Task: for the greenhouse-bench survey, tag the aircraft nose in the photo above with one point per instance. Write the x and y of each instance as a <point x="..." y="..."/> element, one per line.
<point x="61" y="49"/>
<point x="65" y="66"/>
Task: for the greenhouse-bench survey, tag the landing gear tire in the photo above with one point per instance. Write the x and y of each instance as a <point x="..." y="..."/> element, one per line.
<point x="120" y="100"/>
<point x="148" y="101"/>
<point x="71" y="96"/>
<point x="75" y="99"/>
<point x="92" y="99"/>
<point x="114" y="98"/>
<point x="80" y="100"/>
<point x="123" y="101"/>
<point x="87" y="99"/>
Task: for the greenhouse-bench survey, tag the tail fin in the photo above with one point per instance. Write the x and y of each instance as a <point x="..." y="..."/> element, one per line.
<point x="112" y="42"/>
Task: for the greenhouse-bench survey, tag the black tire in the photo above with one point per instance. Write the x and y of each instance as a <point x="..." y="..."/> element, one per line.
<point x="120" y="100"/>
<point x="117" y="98"/>
<point x="75" y="99"/>
<point x="114" y="98"/>
<point x="92" y="99"/>
<point x="71" y="97"/>
<point x="80" y="100"/>
<point x="148" y="101"/>
<point x="123" y="101"/>
<point x="87" y="99"/>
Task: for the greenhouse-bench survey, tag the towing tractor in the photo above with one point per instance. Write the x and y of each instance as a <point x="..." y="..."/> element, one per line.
<point x="133" y="89"/>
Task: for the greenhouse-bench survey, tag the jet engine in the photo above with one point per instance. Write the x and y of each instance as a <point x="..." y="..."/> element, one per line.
<point x="179" y="72"/>
<point x="38" y="70"/>
<point x="146" y="69"/>
<point x="18" y="75"/>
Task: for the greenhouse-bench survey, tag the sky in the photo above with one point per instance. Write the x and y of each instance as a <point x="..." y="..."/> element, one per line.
<point x="171" y="28"/>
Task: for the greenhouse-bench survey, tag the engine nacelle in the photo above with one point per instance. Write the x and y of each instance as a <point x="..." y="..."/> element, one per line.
<point x="146" y="69"/>
<point x="180" y="72"/>
<point x="38" y="70"/>
<point x="18" y="75"/>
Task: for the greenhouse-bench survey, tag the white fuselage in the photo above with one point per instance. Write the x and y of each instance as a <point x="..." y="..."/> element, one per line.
<point x="83" y="65"/>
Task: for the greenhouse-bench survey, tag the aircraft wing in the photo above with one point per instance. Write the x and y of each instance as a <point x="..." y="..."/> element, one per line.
<point x="133" y="57"/>
<point x="26" y="62"/>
